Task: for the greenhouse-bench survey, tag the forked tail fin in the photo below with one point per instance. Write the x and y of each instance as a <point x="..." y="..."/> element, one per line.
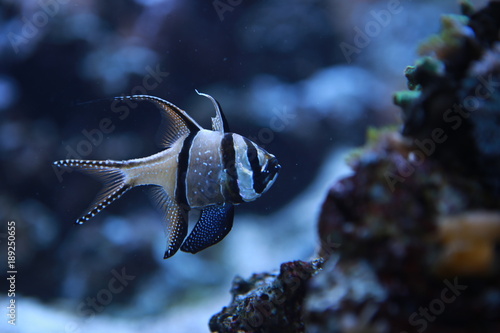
<point x="111" y="173"/>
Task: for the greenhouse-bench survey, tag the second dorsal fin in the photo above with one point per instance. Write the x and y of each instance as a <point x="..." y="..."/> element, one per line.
<point x="219" y="122"/>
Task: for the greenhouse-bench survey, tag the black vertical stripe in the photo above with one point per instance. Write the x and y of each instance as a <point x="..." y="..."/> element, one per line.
<point x="224" y="120"/>
<point x="182" y="167"/>
<point x="231" y="189"/>
<point x="257" y="177"/>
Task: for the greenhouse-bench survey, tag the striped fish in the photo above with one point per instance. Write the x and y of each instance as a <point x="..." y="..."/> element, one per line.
<point x="210" y="170"/>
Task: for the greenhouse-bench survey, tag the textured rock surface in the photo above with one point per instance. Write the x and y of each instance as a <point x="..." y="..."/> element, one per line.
<point x="267" y="302"/>
<point x="417" y="226"/>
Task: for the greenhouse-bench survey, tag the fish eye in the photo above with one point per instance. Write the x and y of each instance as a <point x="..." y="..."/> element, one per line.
<point x="272" y="167"/>
<point x="273" y="164"/>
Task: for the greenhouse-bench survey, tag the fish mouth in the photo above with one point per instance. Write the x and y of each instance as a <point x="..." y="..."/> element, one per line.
<point x="273" y="168"/>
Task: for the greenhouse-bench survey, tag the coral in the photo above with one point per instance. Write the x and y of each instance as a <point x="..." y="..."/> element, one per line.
<point x="458" y="94"/>
<point x="469" y="241"/>
<point x="267" y="302"/>
<point x="420" y="213"/>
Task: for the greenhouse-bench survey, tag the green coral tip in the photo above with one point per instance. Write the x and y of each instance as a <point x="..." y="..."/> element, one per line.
<point x="410" y="75"/>
<point x="430" y="64"/>
<point x="467" y="8"/>
<point x="405" y="98"/>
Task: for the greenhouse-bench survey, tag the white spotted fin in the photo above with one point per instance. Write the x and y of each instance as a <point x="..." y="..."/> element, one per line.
<point x="214" y="224"/>
<point x="112" y="176"/>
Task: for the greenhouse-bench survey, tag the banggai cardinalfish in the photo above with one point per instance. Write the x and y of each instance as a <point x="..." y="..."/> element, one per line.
<point x="211" y="170"/>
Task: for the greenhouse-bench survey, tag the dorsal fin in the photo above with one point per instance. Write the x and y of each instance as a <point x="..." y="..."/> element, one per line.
<point x="175" y="121"/>
<point x="219" y="122"/>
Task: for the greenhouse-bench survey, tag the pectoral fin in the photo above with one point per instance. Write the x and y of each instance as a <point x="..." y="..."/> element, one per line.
<point x="214" y="224"/>
<point x="175" y="218"/>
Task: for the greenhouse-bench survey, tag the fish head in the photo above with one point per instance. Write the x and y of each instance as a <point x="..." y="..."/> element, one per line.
<point x="256" y="168"/>
<point x="269" y="170"/>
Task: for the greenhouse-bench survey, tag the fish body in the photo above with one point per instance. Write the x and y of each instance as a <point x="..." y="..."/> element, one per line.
<point x="210" y="170"/>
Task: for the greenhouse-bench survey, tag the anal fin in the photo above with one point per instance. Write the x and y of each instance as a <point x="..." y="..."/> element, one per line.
<point x="175" y="218"/>
<point x="214" y="224"/>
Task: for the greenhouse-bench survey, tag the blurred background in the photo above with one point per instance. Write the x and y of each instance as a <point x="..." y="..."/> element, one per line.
<point x="302" y="78"/>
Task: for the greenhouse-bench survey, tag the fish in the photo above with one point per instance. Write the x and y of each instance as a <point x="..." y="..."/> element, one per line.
<point x="198" y="169"/>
